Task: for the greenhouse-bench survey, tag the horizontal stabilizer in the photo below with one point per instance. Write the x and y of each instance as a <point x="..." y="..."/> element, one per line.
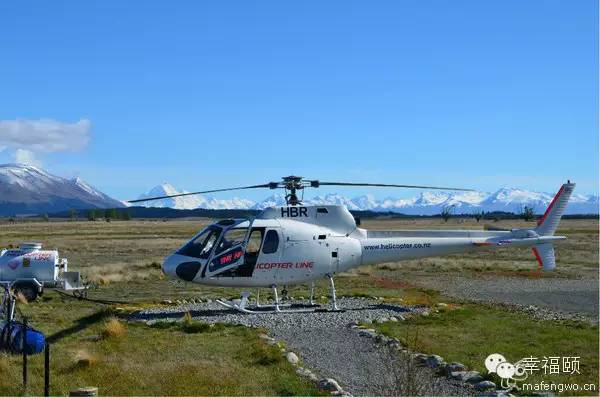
<point x="495" y="228"/>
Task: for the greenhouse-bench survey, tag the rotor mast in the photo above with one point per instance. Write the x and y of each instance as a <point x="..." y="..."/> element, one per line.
<point x="291" y="184"/>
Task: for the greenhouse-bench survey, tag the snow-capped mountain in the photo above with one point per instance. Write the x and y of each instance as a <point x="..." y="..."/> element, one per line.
<point x="25" y="189"/>
<point x="275" y="200"/>
<point x="190" y="202"/>
<point x="426" y="203"/>
<point x="166" y="189"/>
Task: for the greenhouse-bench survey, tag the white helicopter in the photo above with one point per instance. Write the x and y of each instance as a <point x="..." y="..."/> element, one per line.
<point x="297" y="244"/>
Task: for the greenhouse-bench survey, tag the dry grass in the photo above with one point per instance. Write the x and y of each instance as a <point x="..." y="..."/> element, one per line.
<point x="3" y="363"/>
<point x="21" y="298"/>
<point x="84" y="359"/>
<point x="113" y="328"/>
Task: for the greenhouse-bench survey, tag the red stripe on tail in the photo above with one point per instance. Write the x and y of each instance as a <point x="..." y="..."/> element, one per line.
<point x="537" y="256"/>
<point x="551" y="205"/>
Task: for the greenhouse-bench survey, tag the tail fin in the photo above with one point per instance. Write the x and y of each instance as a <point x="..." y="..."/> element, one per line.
<point x="544" y="253"/>
<point x="549" y="222"/>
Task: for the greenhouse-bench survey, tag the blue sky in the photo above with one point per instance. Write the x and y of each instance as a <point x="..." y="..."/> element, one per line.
<point x="479" y="94"/>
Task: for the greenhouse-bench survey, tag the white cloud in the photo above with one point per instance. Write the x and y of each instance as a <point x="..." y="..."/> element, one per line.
<point x="44" y="135"/>
<point x="25" y="156"/>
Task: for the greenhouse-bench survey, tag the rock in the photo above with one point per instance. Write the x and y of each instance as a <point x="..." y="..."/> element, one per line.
<point x="394" y="345"/>
<point x="420" y="359"/>
<point x="425" y="313"/>
<point x="393" y="319"/>
<point x="368" y="321"/>
<point x="485" y="385"/>
<point x="453" y="367"/>
<point x="292" y="358"/>
<point x="167" y="302"/>
<point x="434" y="361"/>
<point x="303" y="372"/>
<point x="314" y="378"/>
<point x="90" y="391"/>
<point x="369" y="332"/>
<point x="383" y="320"/>
<point x="264" y="336"/>
<point x="474" y="377"/>
<point x="329" y="384"/>
<point x="467" y="376"/>
<point x="384" y="339"/>
<point x="442" y="304"/>
<point x="340" y="393"/>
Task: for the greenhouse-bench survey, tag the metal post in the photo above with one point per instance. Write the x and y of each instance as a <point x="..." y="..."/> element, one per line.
<point x="47" y="369"/>
<point x="24" y="348"/>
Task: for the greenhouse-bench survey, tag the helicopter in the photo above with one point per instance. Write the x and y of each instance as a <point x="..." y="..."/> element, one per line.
<point x="298" y="244"/>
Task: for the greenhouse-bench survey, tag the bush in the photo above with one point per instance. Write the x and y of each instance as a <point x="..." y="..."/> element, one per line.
<point x="113" y="328"/>
<point x="527" y="213"/>
<point x="447" y="213"/>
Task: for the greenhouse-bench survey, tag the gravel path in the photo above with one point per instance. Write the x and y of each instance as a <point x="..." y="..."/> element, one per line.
<point x="578" y="297"/>
<point x="329" y="347"/>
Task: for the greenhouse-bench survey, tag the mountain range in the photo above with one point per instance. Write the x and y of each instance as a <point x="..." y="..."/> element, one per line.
<point x="426" y="203"/>
<point x="25" y="189"/>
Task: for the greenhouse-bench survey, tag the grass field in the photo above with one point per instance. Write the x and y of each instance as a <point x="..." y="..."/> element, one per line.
<point x="91" y="347"/>
<point x="124" y="257"/>
<point x="467" y="333"/>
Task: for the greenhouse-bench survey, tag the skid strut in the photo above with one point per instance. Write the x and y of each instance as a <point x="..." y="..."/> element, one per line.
<point x="333" y="297"/>
<point x="278" y="306"/>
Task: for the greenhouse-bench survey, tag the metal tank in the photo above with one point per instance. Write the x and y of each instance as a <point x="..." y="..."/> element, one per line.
<point x="29" y="269"/>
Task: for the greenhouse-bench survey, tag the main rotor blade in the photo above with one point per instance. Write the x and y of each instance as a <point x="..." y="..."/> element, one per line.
<point x="202" y="192"/>
<point x="387" y="185"/>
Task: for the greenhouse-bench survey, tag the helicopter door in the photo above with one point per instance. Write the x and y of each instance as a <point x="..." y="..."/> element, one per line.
<point x="270" y="253"/>
<point x="229" y="252"/>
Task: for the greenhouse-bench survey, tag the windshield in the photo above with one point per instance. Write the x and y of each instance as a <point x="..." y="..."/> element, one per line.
<point x="202" y="244"/>
<point x="231" y="238"/>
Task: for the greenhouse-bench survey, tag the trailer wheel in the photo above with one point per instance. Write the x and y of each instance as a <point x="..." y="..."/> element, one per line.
<point x="28" y="290"/>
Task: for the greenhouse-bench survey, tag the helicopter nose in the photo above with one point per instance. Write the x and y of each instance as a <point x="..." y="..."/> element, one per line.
<point x="169" y="266"/>
<point x="176" y="266"/>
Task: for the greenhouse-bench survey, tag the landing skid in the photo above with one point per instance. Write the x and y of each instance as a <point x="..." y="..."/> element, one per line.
<point x="278" y="307"/>
<point x="264" y="309"/>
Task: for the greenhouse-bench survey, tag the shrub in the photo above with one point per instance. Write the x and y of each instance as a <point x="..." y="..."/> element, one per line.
<point x="113" y="328"/>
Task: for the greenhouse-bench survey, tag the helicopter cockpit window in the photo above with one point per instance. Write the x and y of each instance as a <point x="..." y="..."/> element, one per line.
<point x="271" y="242"/>
<point x="253" y="245"/>
<point x="201" y="245"/>
<point x="231" y="238"/>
